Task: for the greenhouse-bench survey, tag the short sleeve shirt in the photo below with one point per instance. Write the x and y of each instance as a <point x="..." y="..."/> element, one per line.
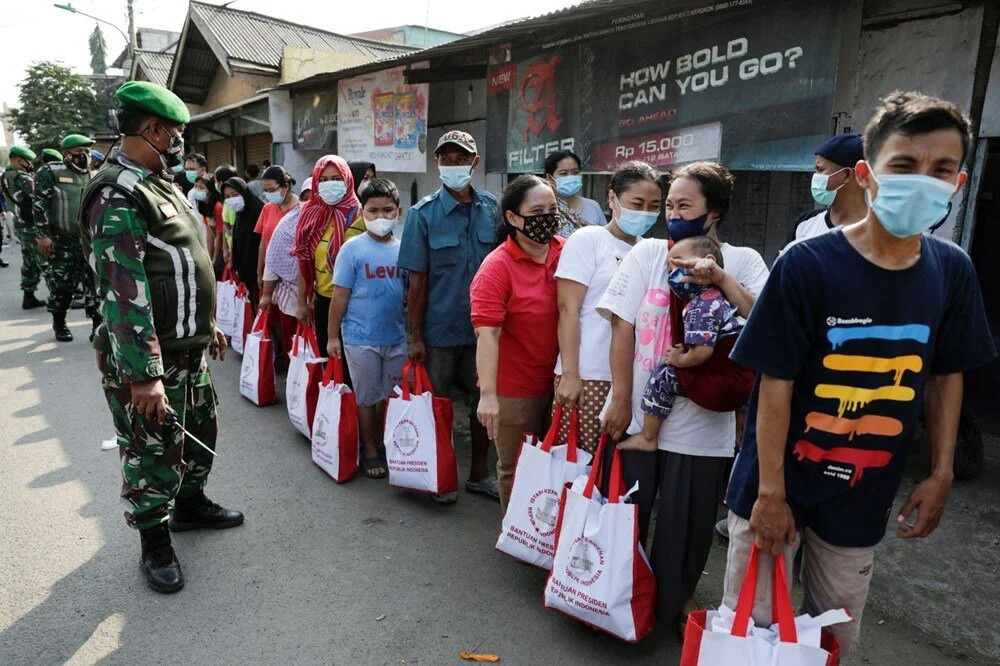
<point x="370" y="270"/>
<point x="516" y="294"/>
<point x="859" y="343"/>
<point x="448" y="241"/>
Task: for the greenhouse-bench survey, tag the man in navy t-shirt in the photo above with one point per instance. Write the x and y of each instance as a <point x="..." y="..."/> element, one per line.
<point x="853" y="330"/>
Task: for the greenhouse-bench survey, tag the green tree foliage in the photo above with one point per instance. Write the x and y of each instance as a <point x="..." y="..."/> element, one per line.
<point x="54" y="102"/>
<point x="98" y="51"/>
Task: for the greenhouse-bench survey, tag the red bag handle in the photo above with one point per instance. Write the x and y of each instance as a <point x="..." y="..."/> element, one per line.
<point x="615" y="480"/>
<point x="262" y="323"/>
<point x="781" y="600"/>
<point x="421" y="380"/>
<point x="308" y="333"/>
<point x="334" y="370"/>
<point x="225" y="273"/>
<point x="550" y="436"/>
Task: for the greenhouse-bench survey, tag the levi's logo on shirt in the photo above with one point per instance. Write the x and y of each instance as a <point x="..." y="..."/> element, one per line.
<point x="382" y="272"/>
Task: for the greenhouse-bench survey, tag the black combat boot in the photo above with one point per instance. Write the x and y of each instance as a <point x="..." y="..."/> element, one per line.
<point x="197" y="511"/>
<point x="59" y="326"/>
<point x="29" y="302"/>
<point x="3" y="264"/>
<point x="163" y="571"/>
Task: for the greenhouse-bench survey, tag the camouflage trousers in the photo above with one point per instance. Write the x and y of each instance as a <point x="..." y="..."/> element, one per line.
<point x="64" y="270"/>
<point x="159" y="462"/>
<point x="31" y="260"/>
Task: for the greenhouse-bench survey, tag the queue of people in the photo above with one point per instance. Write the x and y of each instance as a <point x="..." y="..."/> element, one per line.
<point x="532" y="301"/>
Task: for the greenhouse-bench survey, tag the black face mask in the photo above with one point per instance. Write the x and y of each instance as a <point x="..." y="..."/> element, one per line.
<point x="80" y="161"/>
<point x="539" y="228"/>
<point x="170" y="156"/>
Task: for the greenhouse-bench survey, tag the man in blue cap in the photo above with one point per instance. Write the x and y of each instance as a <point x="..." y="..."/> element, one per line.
<point x="835" y="188"/>
<point x="96" y="159"/>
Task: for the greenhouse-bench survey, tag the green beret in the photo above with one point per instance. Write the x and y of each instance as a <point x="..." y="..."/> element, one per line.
<point x="146" y="97"/>
<point x="51" y="154"/>
<point x="20" y="151"/>
<point x="76" y="141"/>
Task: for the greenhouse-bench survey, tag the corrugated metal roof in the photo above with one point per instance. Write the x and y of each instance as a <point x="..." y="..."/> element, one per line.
<point x="258" y="39"/>
<point x="155" y="65"/>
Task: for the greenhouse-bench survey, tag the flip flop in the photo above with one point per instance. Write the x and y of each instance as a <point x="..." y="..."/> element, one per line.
<point x="375" y="463"/>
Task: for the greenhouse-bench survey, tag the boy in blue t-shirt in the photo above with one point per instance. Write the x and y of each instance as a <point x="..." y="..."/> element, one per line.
<point x="367" y="308"/>
<point x="853" y="329"/>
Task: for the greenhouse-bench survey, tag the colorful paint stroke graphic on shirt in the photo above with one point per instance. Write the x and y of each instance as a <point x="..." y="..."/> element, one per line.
<point x="851" y="399"/>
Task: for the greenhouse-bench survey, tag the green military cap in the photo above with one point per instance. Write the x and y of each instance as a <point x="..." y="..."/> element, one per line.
<point x="76" y="141"/>
<point x="51" y="154"/>
<point x="146" y="97"/>
<point x="20" y="151"/>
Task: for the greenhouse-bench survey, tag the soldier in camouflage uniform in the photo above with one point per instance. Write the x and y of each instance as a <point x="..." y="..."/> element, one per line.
<point x="17" y="188"/>
<point x="58" y="192"/>
<point x="157" y="290"/>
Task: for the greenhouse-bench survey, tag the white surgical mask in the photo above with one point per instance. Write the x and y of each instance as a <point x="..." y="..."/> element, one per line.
<point x="274" y="197"/>
<point x="455" y="177"/>
<point x="332" y="191"/>
<point x="199" y="195"/>
<point x="380" y="227"/>
<point x="235" y="203"/>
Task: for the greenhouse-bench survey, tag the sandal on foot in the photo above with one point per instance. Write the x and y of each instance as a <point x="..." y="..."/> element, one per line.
<point x="375" y="468"/>
<point x="486" y="486"/>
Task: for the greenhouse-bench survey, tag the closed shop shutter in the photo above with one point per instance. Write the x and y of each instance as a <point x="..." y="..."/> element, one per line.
<point x="257" y="148"/>
<point x="218" y="153"/>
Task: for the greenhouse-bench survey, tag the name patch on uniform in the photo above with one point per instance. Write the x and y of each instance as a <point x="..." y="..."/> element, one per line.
<point x="167" y="209"/>
<point x="65" y="179"/>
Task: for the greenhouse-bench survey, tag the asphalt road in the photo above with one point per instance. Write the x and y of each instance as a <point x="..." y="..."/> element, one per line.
<point x="320" y="574"/>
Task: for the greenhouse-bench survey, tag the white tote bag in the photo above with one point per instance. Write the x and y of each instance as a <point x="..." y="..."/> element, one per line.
<point x="529" y="525"/>
<point x="225" y="295"/>
<point x="257" y="369"/>
<point x="730" y="637"/>
<point x="242" y="320"/>
<point x="305" y="369"/>
<point x="418" y="437"/>
<point x="600" y="575"/>
<point x="335" y="444"/>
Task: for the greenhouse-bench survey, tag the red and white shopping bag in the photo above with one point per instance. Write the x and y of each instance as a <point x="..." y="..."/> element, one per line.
<point x="529" y="525"/>
<point x="728" y="637"/>
<point x="305" y="371"/>
<point x="225" y="297"/>
<point x="600" y="574"/>
<point x="242" y="319"/>
<point x="257" y="371"/>
<point x="418" y="437"/>
<point x="335" y="448"/>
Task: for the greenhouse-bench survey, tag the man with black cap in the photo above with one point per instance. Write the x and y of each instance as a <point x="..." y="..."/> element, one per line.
<point x="56" y="206"/>
<point x="835" y="188"/>
<point x="157" y="288"/>
<point x="18" y="189"/>
<point x="446" y="236"/>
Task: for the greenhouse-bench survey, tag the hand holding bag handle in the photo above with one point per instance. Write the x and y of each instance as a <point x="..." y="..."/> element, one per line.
<point x="308" y="334"/>
<point x="550" y="436"/>
<point x="262" y="323"/>
<point x="334" y="371"/>
<point x="781" y="601"/>
<point x="421" y="380"/>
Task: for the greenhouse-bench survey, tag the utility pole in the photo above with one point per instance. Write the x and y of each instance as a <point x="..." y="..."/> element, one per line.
<point x="131" y="32"/>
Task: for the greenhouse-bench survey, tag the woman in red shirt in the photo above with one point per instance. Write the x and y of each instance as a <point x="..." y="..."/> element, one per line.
<point x="515" y="314"/>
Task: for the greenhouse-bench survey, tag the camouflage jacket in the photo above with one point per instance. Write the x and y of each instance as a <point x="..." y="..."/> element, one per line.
<point x="155" y="279"/>
<point x="18" y="188"/>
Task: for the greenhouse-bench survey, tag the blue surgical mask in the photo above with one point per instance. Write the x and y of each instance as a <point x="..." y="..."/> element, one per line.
<point x="274" y="197"/>
<point x="823" y="196"/>
<point x="192" y="175"/>
<point x="908" y="204"/>
<point x="332" y="191"/>
<point x="177" y="168"/>
<point x="455" y="178"/>
<point x="569" y="186"/>
<point x="235" y="203"/>
<point x="199" y="195"/>
<point x="678" y="228"/>
<point x="636" y="222"/>
<point x="684" y="290"/>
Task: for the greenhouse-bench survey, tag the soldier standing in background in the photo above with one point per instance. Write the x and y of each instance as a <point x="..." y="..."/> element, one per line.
<point x="17" y="190"/>
<point x="51" y="156"/>
<point x="157" y="289"/>
<point x="58" y="193"/>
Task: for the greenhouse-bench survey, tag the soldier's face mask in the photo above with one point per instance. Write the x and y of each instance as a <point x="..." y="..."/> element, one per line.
<point x="80" y="160"/>
<point x="171" y="155"/>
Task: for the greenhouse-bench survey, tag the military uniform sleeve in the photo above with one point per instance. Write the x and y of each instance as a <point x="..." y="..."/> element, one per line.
<point x="44" y="191"/>
<point x="119" y="246"/>
<point x="23" y="189"/>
